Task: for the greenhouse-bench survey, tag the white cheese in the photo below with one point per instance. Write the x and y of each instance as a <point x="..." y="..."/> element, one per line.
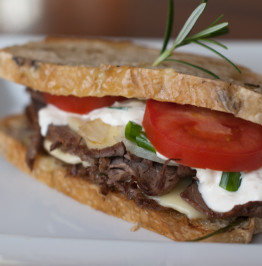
<point x="65" y="157"/>
<point x="174" y="201"/>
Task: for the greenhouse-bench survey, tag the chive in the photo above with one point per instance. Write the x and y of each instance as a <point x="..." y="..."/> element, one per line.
<point x="118" y="108"/>
<point x="144" y="143"/>
<point x="134" y="133"/>
<point x="132" y="130"/>
<point x="230" y="181"/>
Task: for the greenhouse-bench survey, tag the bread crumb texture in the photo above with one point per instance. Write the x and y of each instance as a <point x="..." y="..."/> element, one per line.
<point x="87" y="67"/>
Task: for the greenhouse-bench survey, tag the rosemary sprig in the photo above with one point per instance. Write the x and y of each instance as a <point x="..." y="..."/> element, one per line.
<point x="204" y="36"/>
<point x="182" y="34"/>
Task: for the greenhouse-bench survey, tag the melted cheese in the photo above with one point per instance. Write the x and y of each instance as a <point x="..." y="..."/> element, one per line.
<point x="65" y="157"/>
<point x="174" y="201"/>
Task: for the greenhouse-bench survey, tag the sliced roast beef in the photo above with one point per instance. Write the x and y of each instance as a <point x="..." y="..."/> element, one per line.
<point x="194" y="197"/>
<point x="31" y="111"/>
<point x="36" y="95"/>
<point x="153" y="179"/>
<point x="157" y="179"/>
<point x="128" y="188"/>
<point x="118" y="164"/>
<point x="69" y="141"/>
<point x="115" y="169"/>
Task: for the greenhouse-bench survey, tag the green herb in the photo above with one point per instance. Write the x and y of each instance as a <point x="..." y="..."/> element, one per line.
<point x="168" y="26"/>
<point x="143" y="142"/>
<point x="236" y="222"/>
<point x="219" y="54"/>
<point x="132" y="130"/>
<point x="134" y="133"/>
<point x="230" y="181"/>
<point x="195" y="66"/>
<point x="118" y="108"/>
<point x="215" y="29"/>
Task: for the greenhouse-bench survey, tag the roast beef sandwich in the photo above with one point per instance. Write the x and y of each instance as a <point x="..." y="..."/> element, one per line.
<point x="169" y="148"/>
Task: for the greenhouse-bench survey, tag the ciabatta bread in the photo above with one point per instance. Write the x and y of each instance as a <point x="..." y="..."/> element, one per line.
<point x="85" y="67"/>
<point x="14" y="138"/>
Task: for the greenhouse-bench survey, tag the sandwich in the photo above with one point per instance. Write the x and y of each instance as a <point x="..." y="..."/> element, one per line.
<point x="168" y="147"/>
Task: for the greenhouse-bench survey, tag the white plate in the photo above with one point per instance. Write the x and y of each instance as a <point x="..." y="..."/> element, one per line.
<point x="40" y="226"/>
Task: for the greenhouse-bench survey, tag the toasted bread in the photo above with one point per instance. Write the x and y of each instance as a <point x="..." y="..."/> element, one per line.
<point x="84" y="67"/>
<point x="14" y="138"/>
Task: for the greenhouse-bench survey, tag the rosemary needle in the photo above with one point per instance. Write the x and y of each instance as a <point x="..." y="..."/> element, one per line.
<point x="169" y="25"/>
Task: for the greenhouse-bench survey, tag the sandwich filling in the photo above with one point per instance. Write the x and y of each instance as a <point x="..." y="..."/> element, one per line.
<point x="94" y="146"/>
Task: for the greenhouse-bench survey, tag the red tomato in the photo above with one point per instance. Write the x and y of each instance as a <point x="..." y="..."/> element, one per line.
<point x="81" y="105"/>
<point x="202" y="138"/>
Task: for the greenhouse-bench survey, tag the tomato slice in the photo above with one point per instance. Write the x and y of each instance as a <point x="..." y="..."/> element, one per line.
<point x="202" y="138"/>
<point x="81" y="105"/>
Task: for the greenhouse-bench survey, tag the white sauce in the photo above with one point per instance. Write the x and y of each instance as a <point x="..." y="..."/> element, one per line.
<point x="161" y="156"/>
<point x="216" y="198"/>
<point x="115" y="117"/>
<point x="221" y="200"/>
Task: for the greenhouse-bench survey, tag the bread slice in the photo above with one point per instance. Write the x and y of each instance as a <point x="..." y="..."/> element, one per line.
<point x="14" y="138"/>
<point x="85" y="67"/>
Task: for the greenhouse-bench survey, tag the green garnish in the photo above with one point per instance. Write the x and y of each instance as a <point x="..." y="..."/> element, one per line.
<point x="219" y="54"/>
<point x="118" y="108"/>
<point x="230" y="181"/>
<point x="195" y="66"/>
<point x="236" y="222"/>
<point x="143" y="142"/>
<point x="204" y="36"/>
<point x="132" y="130"/>
<point x="134" y="133"/>
<point x="168" y="26"/>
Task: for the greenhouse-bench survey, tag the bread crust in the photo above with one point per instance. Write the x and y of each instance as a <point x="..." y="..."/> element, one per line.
<point x="85" y="67"/>
<point x="15" y="136"/>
